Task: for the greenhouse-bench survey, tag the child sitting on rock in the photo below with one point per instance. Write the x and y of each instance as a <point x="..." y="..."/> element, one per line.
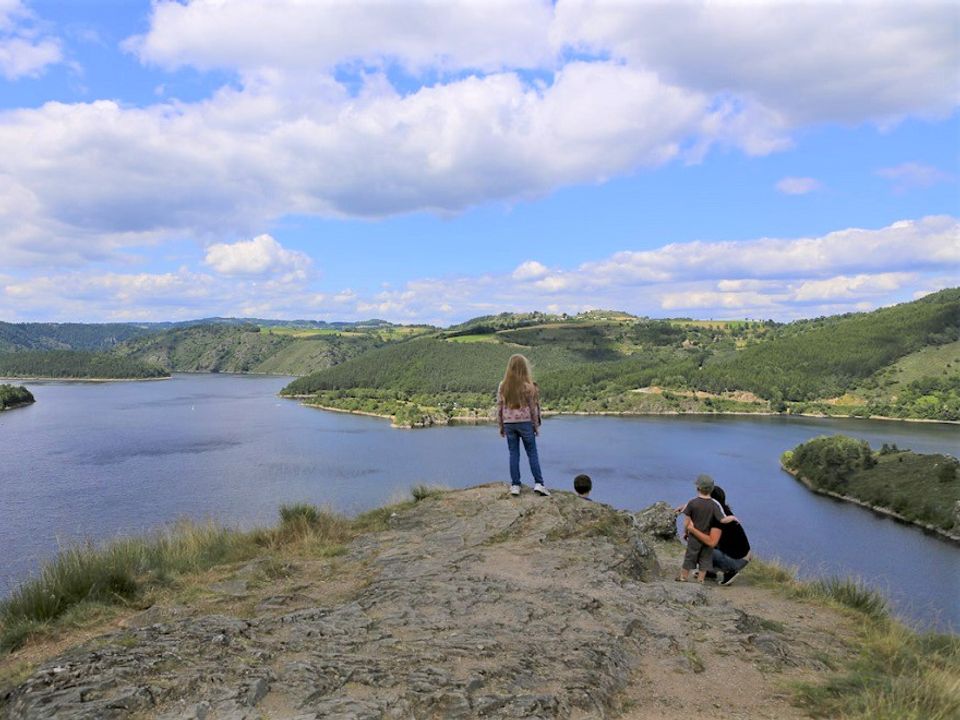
<point x="705" y="514"/>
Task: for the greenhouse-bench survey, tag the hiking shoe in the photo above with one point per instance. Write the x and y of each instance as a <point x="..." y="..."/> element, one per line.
<point x="729" y="577"/>
<point x="539" y="489"/>
<point x="514" y="490"/>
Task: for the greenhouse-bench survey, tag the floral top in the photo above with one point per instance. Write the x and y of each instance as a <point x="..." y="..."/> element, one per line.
<point x="526" y="413"/>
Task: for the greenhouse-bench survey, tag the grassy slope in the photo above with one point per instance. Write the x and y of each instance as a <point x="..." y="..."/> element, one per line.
<point x="311" y="353"/>
<point x="909" y="484"/>
<point x="826" y="357"/>
<point x="929" y="361"/>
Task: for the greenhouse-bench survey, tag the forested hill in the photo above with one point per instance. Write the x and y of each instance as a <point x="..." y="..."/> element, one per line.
<point x="613" y="362"/>
<point x="901" y="361"/>
<point x="249" y="348"/>
<point x="75" y="364"/>
<point x="66" y="336"/>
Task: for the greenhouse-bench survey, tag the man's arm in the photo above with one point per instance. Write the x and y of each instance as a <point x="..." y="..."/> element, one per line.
<point x="709" y="539"/>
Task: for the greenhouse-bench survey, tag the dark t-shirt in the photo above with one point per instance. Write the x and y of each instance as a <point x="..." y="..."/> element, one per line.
<point x="733" y="539"/>
<point x="704" y="512"/>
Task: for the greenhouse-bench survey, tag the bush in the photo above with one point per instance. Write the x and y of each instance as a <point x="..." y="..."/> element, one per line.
<point x="114" y="574"/>
<point x="424" y="492"/>
<point x="828" y="462"/>
<point x="947" y="472"/>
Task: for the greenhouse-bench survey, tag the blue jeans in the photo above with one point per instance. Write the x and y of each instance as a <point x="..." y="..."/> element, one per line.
<point x="516" y="432"/>
<point x="724" y="563"/>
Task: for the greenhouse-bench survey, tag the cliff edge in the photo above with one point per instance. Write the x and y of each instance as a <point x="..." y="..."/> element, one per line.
<point x="468" y="604"/>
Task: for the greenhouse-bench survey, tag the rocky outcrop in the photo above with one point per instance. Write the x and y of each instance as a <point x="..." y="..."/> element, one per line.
<point x="659" y="520"/>
<point x="473" y="605"/>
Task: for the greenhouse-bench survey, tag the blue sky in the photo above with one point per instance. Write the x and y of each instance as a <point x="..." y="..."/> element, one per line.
<point x="432" y="162"/>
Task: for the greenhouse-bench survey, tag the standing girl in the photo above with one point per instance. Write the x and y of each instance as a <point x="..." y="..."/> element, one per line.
<point x="518" y="414"/>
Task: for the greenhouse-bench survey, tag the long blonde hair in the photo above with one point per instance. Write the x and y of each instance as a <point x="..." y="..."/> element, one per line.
<point x="517" y="385"/>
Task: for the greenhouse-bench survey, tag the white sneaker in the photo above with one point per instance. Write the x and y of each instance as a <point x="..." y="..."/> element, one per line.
<point x="539" y="489"/>
<point x="514" y="489"/>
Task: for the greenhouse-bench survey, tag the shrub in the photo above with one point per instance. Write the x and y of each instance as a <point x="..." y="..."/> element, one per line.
<point x="115" y="573"/>
<point x="423" y="492"/>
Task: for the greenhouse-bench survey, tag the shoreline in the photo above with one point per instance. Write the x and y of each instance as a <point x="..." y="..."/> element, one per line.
<point x="472" y="420"/>
<point x="75" y="379"/>
<point x="877" y="509"/>
<point x="17" y="405"/>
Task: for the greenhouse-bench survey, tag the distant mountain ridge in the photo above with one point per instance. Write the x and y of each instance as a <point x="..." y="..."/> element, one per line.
<point x="899" y="361"/>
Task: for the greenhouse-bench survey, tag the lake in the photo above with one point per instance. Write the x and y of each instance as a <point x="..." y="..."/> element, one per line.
<point x="93" y="460"/>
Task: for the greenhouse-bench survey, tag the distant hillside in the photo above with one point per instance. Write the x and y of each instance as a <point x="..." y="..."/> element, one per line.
<point x="66" y="336"/>
<point x="428" y="365"/>
<point x="824" y="358"/>
<point x="206" y="348"/>
<point x="246" y="348"/>
<point x="614" y="362"/>
<point x="75" y="364"/>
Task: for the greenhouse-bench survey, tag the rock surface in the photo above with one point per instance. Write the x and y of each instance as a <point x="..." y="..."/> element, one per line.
<point x="472" y="605"/>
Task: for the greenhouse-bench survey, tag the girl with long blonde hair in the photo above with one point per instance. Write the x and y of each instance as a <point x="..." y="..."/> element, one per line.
<point x="518" y="415"/>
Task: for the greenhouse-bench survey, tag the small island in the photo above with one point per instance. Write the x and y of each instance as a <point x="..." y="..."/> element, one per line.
<point x="920" y="489"/>
<point x="13" y="396"/>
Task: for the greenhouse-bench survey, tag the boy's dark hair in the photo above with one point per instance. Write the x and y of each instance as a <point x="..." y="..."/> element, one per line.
<point x="582" y="484"/>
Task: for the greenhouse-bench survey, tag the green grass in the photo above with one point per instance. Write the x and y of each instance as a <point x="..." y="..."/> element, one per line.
<point x="937" y="360"/>
<point x="895" y="673"/>
<point x="473" y="339"/>
<point x="86" y="577"/>
<point x="425" y="492"/>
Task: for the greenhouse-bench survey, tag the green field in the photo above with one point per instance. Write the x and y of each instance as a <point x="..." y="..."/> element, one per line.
<point x="928" y="362"/>
<point x="466" y="339"/>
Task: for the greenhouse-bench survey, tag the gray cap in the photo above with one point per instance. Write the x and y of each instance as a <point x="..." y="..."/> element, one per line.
<point x="704" y="483"/>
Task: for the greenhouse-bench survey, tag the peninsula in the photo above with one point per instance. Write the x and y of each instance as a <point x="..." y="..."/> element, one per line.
<point x="13" y="396"/>
<point x="915" y="488"/>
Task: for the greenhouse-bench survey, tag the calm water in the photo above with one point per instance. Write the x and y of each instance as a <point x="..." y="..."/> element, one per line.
<point x="95" y="460"/>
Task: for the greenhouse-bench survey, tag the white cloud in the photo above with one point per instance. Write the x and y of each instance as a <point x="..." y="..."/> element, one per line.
<point x="806" y="62"/>
<point x="909" y="175"/>
<point x="261" y="256"/>
<point x="844" y="287"/>
<point x="798" y="185"/>
<point x="809" y="62"/>
<point x="769" y="277"/>
<point x="23" y="51"/>
<point x="911" y="244"/>
<point x="530" y="270"/>
<point x="83" y="182"/>
<point x="98" y="176"/>
<point x="251" y="35"/>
